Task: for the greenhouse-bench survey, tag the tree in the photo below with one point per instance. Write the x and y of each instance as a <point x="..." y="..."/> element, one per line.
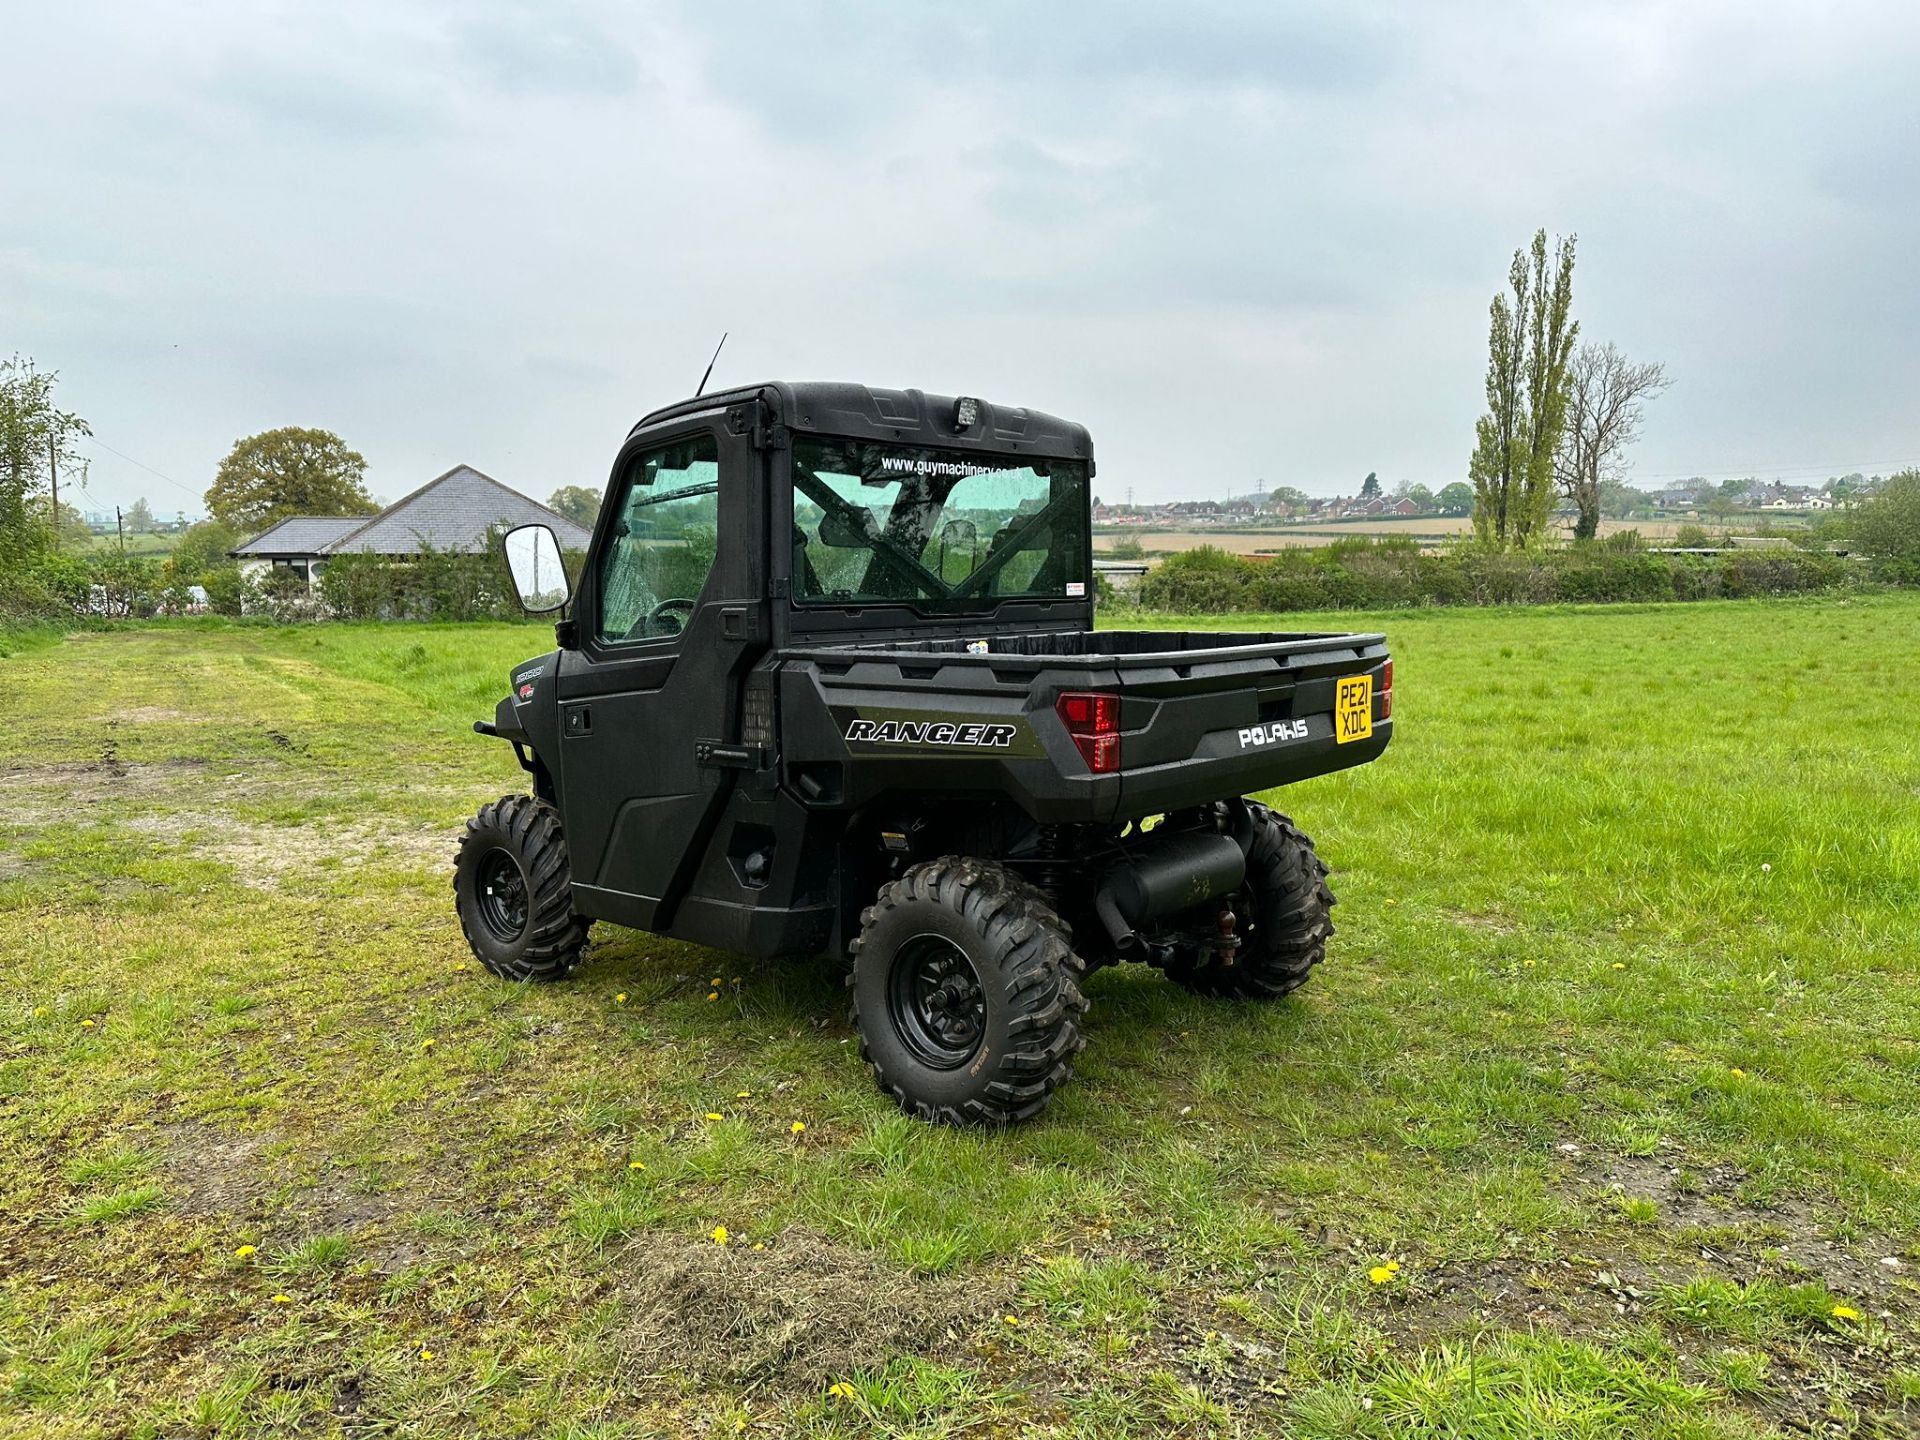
<point x="289" y="471"/>
<point x="582" y="506"/>
<point x="1726" y="497"/>
<point x="1618" y="499"/>
<point x="1294" y="499"/>
<point x="1370" y="487"/>
<point x="1421" y="496"/>
<point x="1529" y="341"/>
<point x="1886" y="525"/>
<point x="202" y="549"/>
<point x="36" y="448"/>
<point x="139" y="517"/>
<point x="1605" y="391"/>
<point x="1455" y="499"/>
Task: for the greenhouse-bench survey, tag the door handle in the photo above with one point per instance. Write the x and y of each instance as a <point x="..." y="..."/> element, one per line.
<point x="723" y="755"/>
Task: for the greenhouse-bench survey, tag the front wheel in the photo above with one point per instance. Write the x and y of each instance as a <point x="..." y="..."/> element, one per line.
<point x="1283" y="918"/>
<point x="966" y="994"/>
<point x="513" y="889"/>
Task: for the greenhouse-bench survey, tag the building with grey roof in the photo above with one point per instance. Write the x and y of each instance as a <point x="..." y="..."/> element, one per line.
<point x="452" y="512"/>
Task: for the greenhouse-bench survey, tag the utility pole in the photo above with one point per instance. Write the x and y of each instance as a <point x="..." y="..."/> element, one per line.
<point x="53" y="474"/>
<point x="119" y="530"/>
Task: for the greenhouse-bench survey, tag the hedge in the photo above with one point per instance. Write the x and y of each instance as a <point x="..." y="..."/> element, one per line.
<point x="1391" y="573"/>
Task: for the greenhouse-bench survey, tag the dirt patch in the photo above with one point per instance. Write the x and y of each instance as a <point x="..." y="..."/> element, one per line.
<point x="239" y="1176"/>
<point x="799" y="1314"/>
<point x="264" y="855"/>
<point x="34" y="795"/>
<point x="218" y="1172"/>
<point x="1704" y="1210"/>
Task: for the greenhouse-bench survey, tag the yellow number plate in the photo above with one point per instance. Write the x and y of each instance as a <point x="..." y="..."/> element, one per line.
<point x="1353" y="709"/>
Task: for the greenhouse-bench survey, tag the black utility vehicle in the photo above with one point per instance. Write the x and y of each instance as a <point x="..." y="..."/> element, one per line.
<point x="831" y="684"/>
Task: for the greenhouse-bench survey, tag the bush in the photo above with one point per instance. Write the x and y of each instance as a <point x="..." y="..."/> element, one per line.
<point x="1886" y="528"/>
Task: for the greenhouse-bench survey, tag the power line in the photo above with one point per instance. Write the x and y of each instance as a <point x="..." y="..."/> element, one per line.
<point x="95" y="439"/>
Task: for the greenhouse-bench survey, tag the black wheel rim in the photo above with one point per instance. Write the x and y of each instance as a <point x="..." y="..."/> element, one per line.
<point x="501" y="893"/>
<point x="935" y="1002"/>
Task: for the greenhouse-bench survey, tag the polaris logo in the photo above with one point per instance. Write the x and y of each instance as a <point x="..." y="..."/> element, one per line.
<point x="929" y="732"/>
<point x="1273" y="733"/>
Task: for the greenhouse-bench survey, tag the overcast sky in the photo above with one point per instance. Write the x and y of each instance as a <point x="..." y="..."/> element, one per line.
<point x="1241" y="242"/>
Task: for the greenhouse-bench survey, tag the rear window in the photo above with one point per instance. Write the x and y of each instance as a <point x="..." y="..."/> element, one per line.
<point x="939" y="530"/>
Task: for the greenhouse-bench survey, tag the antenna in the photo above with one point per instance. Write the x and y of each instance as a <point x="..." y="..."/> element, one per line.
<point x="709" y="375"/>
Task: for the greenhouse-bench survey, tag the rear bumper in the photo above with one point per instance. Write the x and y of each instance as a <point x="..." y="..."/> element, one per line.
<point x="1223" y="766"/>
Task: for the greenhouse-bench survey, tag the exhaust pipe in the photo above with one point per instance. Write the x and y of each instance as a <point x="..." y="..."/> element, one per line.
<point x="1163" y="876"/>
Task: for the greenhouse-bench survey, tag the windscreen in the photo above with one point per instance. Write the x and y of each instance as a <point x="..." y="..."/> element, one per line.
<point x="939" y="530"/>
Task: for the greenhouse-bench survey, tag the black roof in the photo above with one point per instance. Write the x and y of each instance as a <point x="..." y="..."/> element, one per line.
<point x="912" y="417"/>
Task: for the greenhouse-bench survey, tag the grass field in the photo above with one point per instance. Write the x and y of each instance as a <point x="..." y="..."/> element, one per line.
<point x="1600" y="1121"/>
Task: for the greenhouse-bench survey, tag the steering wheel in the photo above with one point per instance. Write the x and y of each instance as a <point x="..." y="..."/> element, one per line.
<point x="676" y="610"/>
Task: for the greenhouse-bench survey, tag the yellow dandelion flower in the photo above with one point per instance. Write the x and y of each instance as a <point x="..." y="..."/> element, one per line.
<point x="426" y="1044"/>
<point x="840" y="1390"/>
<point x="1845" y="1312"/>
<point x="713" y="995"/>
<point x="39" y="1012"/>
<point x="1379" y="1274"/>
<point x="799" y="1127"/>
<point x="758" y="1245"/>
<point x="1011" y="1319"/>
<point x="736" y="979"/>
<point x="621" y="998"/>
<point x="461" y="966"/>
<point x="720" y="1235"/>
<point x="1737" y="1073"/>
<point x="741" y="1094"/>
<point x="86" y="1024"/>
<point x="1619" y="965"/>
<point x="1529" y="963"/>
<point x="715" y="1115"/>
<point x="426" y="1354"/>
<point x="243" y="1252"/>
<point x="1394" y="1266"/>
<point x="636" y="1164"/>
<point x="716" y="980"/>
<point x="281" y="1300"/>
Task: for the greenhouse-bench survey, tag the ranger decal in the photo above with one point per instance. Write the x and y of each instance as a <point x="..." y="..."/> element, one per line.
<point x="930" y="732"/>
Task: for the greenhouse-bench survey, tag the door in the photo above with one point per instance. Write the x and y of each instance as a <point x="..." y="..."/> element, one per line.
<point x="667" y="623"/>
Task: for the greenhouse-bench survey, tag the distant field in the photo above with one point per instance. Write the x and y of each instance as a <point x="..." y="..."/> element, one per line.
<point x="1252" y="542"/>
<point x="1600" y="1120"/>
<point x="149" y="547"/>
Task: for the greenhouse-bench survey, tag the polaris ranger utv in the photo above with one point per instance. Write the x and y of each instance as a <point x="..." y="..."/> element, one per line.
<point x="831" y="684"/>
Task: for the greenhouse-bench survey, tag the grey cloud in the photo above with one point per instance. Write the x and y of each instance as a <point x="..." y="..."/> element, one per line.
<point x="551" y="49"/>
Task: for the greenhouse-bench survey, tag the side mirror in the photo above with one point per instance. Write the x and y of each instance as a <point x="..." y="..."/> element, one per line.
<point x="539" y="575"/>
<point x="850" y="531"/>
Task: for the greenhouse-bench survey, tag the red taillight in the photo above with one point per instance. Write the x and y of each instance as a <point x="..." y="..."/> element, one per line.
<point x="1386" y="691"/>
<point x="1093" y="720"/>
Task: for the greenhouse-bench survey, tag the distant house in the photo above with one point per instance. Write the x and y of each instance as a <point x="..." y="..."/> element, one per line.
<point x="452" y="512"/>
<point x="1405" y="506"/>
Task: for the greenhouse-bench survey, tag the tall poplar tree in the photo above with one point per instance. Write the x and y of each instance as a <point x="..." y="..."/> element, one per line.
<point x="1529" y="341"/>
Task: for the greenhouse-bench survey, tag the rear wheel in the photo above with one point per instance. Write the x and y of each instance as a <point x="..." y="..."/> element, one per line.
<point x="1283" y="919"/>
<point x="966" y="994"/>
<point x="513" y="889"/>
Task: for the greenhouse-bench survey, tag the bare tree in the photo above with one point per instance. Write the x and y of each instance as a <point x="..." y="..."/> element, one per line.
<point x="1605" y="391"/>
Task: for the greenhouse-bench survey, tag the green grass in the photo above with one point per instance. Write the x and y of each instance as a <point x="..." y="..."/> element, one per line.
<point x="1615" y="1056"/>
